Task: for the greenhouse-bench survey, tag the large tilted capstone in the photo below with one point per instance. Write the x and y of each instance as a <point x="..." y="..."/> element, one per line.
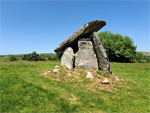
<point x="83" y="49"/>
<point x="83" y="31"/>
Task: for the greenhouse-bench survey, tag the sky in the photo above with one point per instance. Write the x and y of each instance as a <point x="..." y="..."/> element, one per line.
<point x="36" y="25"/>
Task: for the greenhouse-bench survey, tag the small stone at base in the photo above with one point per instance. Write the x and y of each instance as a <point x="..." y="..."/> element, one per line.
<point x="69" y="75"/>
<point x="56" y="67"/>
<point x="105" y="81"/>
<point x="56" y="70"/>
<point x="89" y="75"/>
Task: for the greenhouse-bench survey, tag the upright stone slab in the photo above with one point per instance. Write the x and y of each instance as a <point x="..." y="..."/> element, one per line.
<point x="67" y="58"/>
<point x="86" y="57"/>
<point x="101" y="54"/>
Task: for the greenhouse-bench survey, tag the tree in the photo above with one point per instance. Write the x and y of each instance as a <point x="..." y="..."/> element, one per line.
<point x="24" y="57"/>
<point x="118" y="48"/>
<point x="34" y="56"/>
<point x="41" y="58"/>
<point x="59" y="55"/>
<point x="53" y="57"/>
<point x="13" y="58"/>
<point x="139" y="56"/>
<point x="31" y="57"/>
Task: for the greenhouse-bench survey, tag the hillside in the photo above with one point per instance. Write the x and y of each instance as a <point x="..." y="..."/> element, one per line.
<point x="145" y="53"/>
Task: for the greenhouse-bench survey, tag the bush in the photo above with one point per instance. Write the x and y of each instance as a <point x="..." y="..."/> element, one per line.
<point x="143" y="61"/>
<point x="53" y="57"/>
<point x="139" y="56"/>
<point x="13" y="58"/>
<point x="118" y="48"/>
<point x="36" y="57"/>
<point x="24" y="57"/>
<point x="59" y="55"/>
<point x="146" y="58"/>
<point x="41" y="58"/>
<point x="31" y="57"/>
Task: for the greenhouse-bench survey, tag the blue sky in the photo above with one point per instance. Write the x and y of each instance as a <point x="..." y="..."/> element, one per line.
<point x="40" y="26"/>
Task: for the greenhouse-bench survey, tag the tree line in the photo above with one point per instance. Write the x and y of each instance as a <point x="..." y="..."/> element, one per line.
<point x="35" y="57"/>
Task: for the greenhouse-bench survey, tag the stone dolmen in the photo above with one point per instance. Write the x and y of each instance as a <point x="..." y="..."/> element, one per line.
<point x="83" y="49"/>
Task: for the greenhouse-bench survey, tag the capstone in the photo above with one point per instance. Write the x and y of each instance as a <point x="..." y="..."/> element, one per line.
<point x="81" y="32"/>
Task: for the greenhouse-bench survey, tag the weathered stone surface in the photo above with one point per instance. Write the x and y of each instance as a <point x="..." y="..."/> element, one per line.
<point x="101" y="54"/>
<point x="56" y="67"/>
<point x="67" y="58"/>
<point x="83" y="31"/>
<point x="117" y="78"/>
<point x="99" y="76"/>
<point x="46" y="73"/>
<point x="89" y="75"/>
<point x="105" y="81"/>
<point x="86" y="57"/>
<point x="69" y="74"/>
<point x="56" y="70"/>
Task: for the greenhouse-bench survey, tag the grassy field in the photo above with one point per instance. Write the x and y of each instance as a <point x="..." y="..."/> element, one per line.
<point x="23" y="89"/>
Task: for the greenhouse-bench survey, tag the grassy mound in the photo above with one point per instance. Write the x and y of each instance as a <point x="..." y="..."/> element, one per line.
<point x="77" y="77"/>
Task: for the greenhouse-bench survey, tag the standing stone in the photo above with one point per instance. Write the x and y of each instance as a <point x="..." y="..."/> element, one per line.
<point x="101" y="54"/>
<point x="85" y="57"/>
<point x="67" y="58"/>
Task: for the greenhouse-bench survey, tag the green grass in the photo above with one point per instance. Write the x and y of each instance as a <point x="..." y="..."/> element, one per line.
<point x="23" y="89"/>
